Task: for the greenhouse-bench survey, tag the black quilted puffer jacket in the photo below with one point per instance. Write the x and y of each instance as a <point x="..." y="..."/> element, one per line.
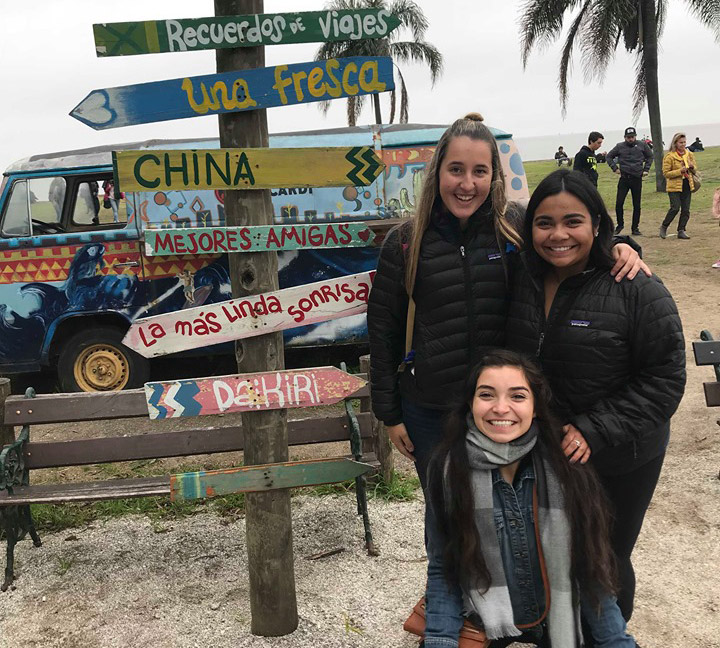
<point x="461" y="297"/>
<point x="614" y="355"/>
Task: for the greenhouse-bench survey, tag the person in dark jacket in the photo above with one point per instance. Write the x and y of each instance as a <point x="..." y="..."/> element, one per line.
<point x="697" y="145"/>
<point x="613" y="352"/>
<point x="455" y="258"/>
<point x="631" y="160"/>
<point x="585" y="159"/>
<point x="561" y="157"/>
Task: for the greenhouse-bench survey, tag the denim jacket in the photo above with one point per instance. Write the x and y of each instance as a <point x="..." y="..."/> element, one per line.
<point x="515" y="526"/>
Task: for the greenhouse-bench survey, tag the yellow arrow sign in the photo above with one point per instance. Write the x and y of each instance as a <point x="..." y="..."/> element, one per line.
<point x="260" y="168"/>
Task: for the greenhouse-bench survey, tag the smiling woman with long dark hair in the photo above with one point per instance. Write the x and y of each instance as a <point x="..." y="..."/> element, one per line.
<point x="613" y="352"/>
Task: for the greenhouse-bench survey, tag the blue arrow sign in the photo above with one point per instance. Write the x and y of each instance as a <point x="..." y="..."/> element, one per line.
<point x="236" y="91"/>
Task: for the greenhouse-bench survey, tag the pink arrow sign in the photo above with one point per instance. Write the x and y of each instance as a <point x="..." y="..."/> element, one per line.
<point x="250" y="392"/>
<point x="202" y="326"/>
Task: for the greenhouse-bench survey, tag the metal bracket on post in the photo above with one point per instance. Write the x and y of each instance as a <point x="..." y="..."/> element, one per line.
<point x="360" y="481"/>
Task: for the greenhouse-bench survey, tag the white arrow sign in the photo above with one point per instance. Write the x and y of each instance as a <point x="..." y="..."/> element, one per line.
<point x="246" y="317"/>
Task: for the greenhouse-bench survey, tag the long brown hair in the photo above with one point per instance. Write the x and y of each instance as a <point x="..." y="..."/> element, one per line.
<point x="593" y="562"/>
<point x="469" y="126"/>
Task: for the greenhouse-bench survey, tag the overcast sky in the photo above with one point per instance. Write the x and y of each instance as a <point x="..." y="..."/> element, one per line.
<point x="48" y="64"/>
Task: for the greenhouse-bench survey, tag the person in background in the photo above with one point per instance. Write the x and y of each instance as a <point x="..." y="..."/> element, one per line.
<point x="613" y="353"/>
<point x="697" y="145"/>
<point x="631" y="160"/>
<point x="562" y="157"/>
<point x="678" y="168"/>
<point x="585" y="159"/>
<point x="109" y="199"/>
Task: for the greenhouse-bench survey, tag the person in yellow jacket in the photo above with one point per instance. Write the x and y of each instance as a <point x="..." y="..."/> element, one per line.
<point x="678" y="167"/>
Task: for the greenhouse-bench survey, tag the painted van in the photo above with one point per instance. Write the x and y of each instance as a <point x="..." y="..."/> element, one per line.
<point x="73" y="273"/>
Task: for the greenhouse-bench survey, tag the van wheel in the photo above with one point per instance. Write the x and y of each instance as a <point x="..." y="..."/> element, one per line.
<point x="97" y="360"/>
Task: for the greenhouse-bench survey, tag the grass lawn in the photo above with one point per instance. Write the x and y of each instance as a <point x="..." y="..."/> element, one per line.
<point x="704" y="247"/>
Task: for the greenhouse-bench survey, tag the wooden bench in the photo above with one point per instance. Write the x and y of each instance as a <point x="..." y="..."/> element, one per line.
<point x="707" y="352"/>
<point x="18" y="459"/>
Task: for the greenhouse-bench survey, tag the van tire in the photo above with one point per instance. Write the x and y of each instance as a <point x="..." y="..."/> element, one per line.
<point x="97" y="360"/>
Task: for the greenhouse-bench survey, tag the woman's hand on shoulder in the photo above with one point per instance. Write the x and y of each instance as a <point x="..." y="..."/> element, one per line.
<point x="574" y="445"/>
<point x="399" y="436"/>
<point x="627" y="263"/>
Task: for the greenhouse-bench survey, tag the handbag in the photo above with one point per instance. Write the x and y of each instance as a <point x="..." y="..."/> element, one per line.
<point x="470" y="636"/>
<point x="697" y="180"/>
<point x="106" y="203"/>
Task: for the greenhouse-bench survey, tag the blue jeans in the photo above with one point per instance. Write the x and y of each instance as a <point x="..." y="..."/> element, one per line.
<point x="606" y="624"/>
<point x="425" y="429"/>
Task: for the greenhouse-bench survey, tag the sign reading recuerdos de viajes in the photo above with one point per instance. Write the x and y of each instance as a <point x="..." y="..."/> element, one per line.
<point x="217" y="32"/>
<point x="236" y="91"/>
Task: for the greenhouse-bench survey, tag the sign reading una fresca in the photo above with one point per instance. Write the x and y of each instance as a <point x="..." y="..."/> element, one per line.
<point x="250" y="392"/>
<point x="235" y="91"/>
<point x="252" y="168"/>
<point x="235" y="319"/>
<point x="261" y="238"/>
<point x="182" y="35"/>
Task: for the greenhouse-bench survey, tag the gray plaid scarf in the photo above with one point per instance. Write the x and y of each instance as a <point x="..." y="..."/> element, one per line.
<point x="494" y="606"/>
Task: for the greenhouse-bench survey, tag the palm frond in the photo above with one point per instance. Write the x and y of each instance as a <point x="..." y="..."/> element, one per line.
<point x="708" y="13"/>
<point x="640" y="92"/>
<point x="566" y="57"/>
<point x="411" y="17"/>
<point x="420" y="52"/>
<point x="541" y="22"/>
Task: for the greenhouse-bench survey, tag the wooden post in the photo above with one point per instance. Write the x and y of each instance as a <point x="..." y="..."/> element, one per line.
<point x="7" y="432"/>
<point x="380" y="438"/>
<point x="273" y="604"/>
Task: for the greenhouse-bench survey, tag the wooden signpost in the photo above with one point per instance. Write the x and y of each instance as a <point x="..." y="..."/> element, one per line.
<point x="250" y="316"/>
<point x="260" y="238"/>
<point x="251" y="479"/>
<point x="252" y="168"/>
<point x="236" y="91"/>
<point x="250" y="392"/>
<point x="216" y="32"/>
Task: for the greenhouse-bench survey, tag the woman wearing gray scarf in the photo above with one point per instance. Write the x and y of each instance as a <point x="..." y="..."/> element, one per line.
<point x="517" y="536"/>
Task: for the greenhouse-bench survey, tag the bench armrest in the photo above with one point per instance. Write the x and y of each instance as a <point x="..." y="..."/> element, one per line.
<point x="12" y="463"/>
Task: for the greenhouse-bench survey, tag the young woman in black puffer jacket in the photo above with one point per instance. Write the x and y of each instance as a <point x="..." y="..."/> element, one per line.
<point x="613" y="352"/>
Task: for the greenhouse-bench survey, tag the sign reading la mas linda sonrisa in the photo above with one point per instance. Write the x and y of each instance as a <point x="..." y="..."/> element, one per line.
<point x="235" y="91"/>
<point x="236" y="319"/>
<point x="259" y="238"/>
<point x="252" y="168"/>
<point x="182" y="35"/>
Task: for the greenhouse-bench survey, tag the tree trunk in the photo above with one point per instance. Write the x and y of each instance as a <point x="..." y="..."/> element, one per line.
<point x="650" y="62"/>
<point x="273" y="603"/>
<point x="376" y="104"/>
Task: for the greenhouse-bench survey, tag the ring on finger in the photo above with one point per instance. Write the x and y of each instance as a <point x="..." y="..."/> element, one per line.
<point x="577" y="443"/>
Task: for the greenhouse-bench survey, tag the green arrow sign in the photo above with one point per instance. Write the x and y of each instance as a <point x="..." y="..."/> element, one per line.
<point x="149" y="37"/>
<point x="251" y="479"/>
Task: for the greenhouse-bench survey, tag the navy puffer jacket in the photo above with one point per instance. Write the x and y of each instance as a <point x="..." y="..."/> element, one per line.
<point x="614" y="355"/>
<point x="461" y="296"/>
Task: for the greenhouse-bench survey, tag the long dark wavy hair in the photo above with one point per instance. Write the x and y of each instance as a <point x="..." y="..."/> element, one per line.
<point x="578" y="185"/>
<point x="593" y="561"/>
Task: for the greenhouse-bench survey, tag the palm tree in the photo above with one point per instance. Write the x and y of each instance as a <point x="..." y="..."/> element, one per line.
<point x="417" y="50"/>
<point x="596" y="30"/>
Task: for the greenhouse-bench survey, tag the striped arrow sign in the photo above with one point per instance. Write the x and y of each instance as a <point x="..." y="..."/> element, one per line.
<point x="235" y="319"/>
<point x="252" y="168"/>
<point x="260" y="238"/>
<point x="183" y="35"/>
<point x="235" y="91"/>
<point x="250" y="392"/>
<point x="253" y="479"/>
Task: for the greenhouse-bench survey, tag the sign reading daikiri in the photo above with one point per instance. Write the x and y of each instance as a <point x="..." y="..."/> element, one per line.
<point x="260" y="238"/>
<point x="235" y="91"/>
<point x="183" y="35"/>
<point x="249" y="316"/>
<point x="252" y="168"/>
<point x="250" y="392"/>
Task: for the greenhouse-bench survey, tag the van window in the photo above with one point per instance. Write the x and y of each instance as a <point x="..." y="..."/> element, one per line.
<point x="96" y="204"/>
<point x="43" y="199"/>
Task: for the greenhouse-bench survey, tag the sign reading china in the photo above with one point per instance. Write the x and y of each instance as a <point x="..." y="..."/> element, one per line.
<point x="250" y="392"/>
<point x="216" y="32"/>
<point x="251" y="168"/>
<point x="235" y="91"/>
<point x="246" y="317"/>
<point x="261" y="238"/>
